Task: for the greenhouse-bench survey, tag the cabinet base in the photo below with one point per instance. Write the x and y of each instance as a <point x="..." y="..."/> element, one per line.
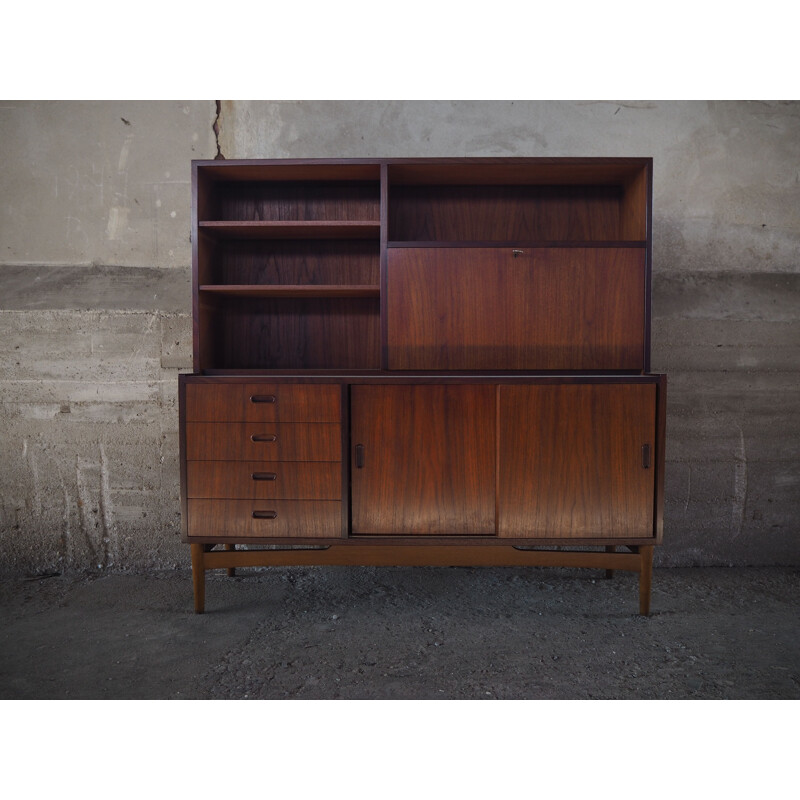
<point x="637" y="559"/>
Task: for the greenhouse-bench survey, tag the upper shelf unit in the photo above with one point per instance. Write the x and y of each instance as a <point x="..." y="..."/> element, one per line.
<point x="297" y="264"/>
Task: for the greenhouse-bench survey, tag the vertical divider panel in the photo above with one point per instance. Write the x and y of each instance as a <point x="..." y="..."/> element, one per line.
<point x="384" y="210"/>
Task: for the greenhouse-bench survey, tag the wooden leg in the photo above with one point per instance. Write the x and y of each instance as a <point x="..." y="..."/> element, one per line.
<point x="645" y="579"/>
<point x="198" y="578"/>
<point x="231" y="570"/>
<point x="610" y="549"/>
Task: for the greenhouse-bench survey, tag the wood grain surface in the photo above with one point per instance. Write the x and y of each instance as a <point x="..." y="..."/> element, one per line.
<point x="252" y="441"/>
<point x="283" y="480"/>
<point x="428" y="459"/>
<point x="234" y="519"/>
<point x="250" y="402"/>
<point x="543" y="309"/>
<point x="571" y="460"/>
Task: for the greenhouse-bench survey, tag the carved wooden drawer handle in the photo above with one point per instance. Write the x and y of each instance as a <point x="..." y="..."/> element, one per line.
<point x="265" y="514"/>
<point x="264" y="437"/>
<point x="263" y="398"/>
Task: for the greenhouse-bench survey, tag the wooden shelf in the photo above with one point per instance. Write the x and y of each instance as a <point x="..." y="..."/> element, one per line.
<point x="306" y="229"/>
<point x="499" y="243"/>
<point x="320" y="290"/>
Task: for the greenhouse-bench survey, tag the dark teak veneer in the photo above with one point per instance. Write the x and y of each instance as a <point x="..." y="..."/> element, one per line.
<point x="422" y="362"/>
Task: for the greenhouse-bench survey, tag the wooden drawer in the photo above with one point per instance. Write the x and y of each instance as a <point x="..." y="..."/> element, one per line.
<point x="262" y="480"/>
<point x="262" y="402"/>
<point x="252" y="441"/>
<point x="252" y="519"/>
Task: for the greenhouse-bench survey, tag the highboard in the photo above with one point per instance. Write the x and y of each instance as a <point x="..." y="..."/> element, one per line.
<point x="422" y="362"/>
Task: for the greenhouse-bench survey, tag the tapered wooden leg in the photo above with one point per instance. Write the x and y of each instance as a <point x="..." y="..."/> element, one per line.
<point x="610" y="549"/>
<point x="198" y="578"/>
<point x="231" y="570"/>
<point x="645" y="579"/>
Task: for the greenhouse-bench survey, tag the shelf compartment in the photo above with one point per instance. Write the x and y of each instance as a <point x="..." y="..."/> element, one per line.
<point x="292" y="229"/>
<point x="242" y="332"/>
<point x="292" y="262"/>
<point x="329" y="290"/>
<point x="298" y="201"/>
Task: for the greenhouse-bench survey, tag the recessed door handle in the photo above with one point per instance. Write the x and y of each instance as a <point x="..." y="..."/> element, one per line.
<point x="264" y="476"/>
<point x="265" y="514"/>
<point x="264" y="437"/>
<point x="263" y="398"/>
<point x="359" y="456"/>
<point x="645" y="456"/>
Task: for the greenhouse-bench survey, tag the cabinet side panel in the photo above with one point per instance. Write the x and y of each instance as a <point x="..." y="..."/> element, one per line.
<point x="634" y="207"/>
<point x="577" y="461"/>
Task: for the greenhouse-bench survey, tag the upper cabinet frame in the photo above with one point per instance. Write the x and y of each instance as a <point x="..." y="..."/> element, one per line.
<point x="290" y="255"/>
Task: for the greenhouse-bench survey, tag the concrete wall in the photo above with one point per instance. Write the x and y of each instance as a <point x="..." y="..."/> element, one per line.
<point x="95" y="302"/>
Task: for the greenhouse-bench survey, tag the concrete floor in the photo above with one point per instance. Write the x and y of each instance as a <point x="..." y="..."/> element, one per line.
<point x="404" y="633"/>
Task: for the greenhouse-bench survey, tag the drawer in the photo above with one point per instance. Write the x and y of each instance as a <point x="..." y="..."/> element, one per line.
<point x="253" y="441"/>
<point x="263" y="480"/>
<point x="252" y="519"/>
<point x="262" y="402"/>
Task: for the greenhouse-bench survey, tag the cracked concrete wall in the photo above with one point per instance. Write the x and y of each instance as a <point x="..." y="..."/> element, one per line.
<point x="95" y="309"/>
<point x="95" y="326"/>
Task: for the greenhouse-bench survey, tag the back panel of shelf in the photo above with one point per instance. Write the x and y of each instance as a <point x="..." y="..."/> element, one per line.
<point x="293" y="201"/>
<point x="266" y="333"/>
<point x="288" y="261"/>
<point x="504" y="213"/>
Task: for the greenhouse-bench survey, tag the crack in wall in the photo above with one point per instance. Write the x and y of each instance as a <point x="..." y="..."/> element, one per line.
<point x="216" y="127"/>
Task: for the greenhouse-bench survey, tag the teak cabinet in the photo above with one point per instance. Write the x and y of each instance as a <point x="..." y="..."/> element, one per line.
<point x="422" y="361"/>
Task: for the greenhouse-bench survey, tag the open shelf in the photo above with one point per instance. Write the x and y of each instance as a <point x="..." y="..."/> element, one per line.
<point x="329" y="290"/>
<point x="257" y="331"/>
<point x="512" y="212"/>
<point x="301" y="229"/>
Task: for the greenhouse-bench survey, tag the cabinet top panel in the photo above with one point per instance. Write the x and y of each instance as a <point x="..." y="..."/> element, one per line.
<point x="570" y="171"/>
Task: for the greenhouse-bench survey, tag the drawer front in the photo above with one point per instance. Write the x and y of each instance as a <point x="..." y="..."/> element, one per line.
<point x="264" y="480"/>
<point x="253" y="519"/>
<point x="262" y="402"/>
<point x="250" y="441"/>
